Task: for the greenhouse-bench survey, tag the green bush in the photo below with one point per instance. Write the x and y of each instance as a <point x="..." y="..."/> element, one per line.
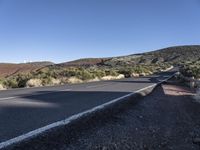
<point x="127" y="72"/>
<point x="11" y="83"/>
<point x="191" y="69"/>
<point x="21" y="79"/>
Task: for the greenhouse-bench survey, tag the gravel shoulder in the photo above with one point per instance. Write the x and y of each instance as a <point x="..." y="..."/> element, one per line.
<point x="167" y="119"/>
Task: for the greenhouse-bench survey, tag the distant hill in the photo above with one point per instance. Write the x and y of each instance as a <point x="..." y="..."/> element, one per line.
<point x="41" y="63"/>
<point x="8" y="69"/>
<point x="171" y="55"/>
<point x="174" y="54"/>
<point x="85" y="62"/>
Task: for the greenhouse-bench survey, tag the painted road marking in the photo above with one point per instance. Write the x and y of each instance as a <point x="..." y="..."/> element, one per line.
<point x="7" y="98"/>
<point x="10" y="98"/>
<point x="94" y="86"/>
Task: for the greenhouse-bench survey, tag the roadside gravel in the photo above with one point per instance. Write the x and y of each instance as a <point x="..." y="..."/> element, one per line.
<point x="166" y="119"/>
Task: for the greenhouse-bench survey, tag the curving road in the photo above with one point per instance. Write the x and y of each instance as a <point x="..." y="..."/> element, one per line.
<point x="24" y="110"/>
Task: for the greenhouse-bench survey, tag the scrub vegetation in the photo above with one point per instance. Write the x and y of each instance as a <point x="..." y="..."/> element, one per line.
<point x="191" y="69"/>
<point x="95" y="69"/>
<point x="55" y="75"/>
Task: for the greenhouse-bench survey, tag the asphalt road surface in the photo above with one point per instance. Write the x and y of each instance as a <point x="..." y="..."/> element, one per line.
<point x="24" y="110"/>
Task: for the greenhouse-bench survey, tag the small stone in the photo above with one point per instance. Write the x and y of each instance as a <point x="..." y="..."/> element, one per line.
<point x="104" y="148"/>
<point x="196" y="140"/>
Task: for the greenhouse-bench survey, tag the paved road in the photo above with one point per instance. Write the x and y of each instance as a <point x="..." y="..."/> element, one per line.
<point x="24" y="110"/>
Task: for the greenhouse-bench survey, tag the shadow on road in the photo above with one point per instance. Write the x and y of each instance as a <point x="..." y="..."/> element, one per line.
<point x="27" y="113"/>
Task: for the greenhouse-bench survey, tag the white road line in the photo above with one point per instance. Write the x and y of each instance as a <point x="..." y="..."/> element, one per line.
<point x="64" y="90"/>
<point x="70" y="119"/>
<point x="10" y="98"/>
<point x="94" y="86"/>
<point x="7" y="98"/>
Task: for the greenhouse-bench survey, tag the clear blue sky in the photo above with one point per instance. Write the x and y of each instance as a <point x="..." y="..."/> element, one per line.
<point x="63" y="30"/>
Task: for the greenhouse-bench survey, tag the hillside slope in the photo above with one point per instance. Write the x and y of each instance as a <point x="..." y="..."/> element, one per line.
<point x="171" y="55"/>
<point x="85" y="62"/>
<point x="8" y="69"/>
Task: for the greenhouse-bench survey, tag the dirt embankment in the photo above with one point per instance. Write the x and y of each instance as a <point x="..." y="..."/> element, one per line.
<point x="167" y="119"/>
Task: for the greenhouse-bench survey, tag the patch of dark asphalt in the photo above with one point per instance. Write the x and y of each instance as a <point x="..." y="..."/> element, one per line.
<point x="166" y="119"/>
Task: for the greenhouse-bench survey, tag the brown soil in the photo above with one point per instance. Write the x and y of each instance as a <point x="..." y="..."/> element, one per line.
<point x="12" y="69"/>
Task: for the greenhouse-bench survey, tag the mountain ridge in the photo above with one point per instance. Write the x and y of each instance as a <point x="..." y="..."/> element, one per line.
<point x="172" y="55"/>
<point x="169" y="55"/>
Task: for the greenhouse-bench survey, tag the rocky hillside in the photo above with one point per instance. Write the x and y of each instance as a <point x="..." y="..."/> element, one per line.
<point x="7" y="69"/>
<point x="172" y="55"/>
<point x="85" y="62"/>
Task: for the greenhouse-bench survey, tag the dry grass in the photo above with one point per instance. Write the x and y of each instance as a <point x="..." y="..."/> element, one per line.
<point x="93" y="80"/>
<point x="74" y="80"/>
<point x="55" y="81"/>
<point x="112" y="77"/>
<point x="34" y="83"/>
<point x="2" y="87"/>
<point x="135" y="75"/>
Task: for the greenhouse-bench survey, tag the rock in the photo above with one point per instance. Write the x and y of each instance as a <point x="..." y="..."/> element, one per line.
<point x="135" y="75"/>
<point x="143" y="74"/>
<point x="196" y="140"/>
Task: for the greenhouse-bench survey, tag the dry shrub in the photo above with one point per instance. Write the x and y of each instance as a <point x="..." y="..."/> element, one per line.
<point x="112" y="77"/>
<point x="55" y="81"/>
<point x="93" y="80"/>
<point x="108" y="78"/>
<point x="64" y="80"/>
<point x="2" y="87"/>
<point x="34" y="83"/>
<point x="135" y="75"/>
<point x="74" y="80"/>
<point x="120" y="76"/>
<point x="150" y="73"/>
